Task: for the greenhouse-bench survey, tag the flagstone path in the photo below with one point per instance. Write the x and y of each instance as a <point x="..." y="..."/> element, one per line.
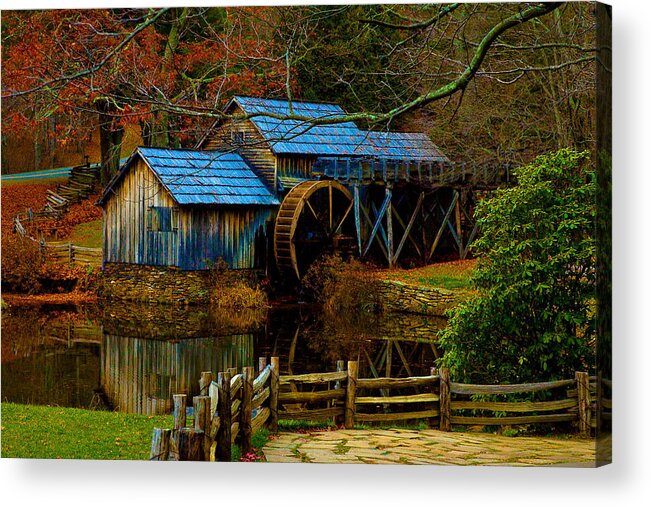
<point x="433" y="447"/>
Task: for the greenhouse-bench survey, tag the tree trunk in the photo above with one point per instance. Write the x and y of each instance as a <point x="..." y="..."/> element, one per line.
<point x="111" y="133"/>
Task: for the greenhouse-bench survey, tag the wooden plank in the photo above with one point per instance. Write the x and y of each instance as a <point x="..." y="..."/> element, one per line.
<point x="318" y="414"/>
<point x="302" y="397"/>
<point x="261" y="379"/>
<point x="313" y="378"/>
<point x="395" y="383"/>
<point x="412" y="398"/>
<point x="397" y="416"/>
<point x="516" y="406"/>
<point x="236" y="384"/>
<point x="260" y="418"/>
<point x="260" y="398"/>
<point x="456" y="388"/>
<point x="498" y="421"/>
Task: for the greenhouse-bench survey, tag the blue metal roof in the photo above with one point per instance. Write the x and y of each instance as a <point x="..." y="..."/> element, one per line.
<point x="404" y="146"/>
<point x="340" y="139"/>
<point x="204" y="177"/>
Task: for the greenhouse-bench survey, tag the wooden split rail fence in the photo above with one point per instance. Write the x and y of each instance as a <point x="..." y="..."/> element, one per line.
<point x="233" y="408"/>
<point x="69" y="252"/>
<point x="79" y="185"/>
<point x="227" y="411"/>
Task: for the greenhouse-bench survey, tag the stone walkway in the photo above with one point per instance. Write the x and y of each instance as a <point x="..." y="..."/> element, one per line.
<point x="431" y="447"/>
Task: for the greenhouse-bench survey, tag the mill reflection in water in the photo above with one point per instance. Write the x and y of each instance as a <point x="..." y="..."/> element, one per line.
<point x="133" y="358"/>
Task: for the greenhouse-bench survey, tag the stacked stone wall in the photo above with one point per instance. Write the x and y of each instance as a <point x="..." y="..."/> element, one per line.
<point x="155" y="284"/>
<point x="400" y="297"/>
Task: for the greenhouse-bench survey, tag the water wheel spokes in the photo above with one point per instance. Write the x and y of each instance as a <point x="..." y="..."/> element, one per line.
<point x="313" y="219"/>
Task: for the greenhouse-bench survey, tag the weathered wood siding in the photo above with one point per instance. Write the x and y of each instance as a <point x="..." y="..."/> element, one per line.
<point x="235" y="234"/>
<point x="200" y="235"/>
<point x="140" y="375"/>
<point x="255" y="150"/>
<point x="295" y="166"/>
<point x="125" y="235"/>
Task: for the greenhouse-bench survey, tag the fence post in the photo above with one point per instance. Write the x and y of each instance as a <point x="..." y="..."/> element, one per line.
<point x="70" y="254"/>
<point x="202" y="420"/>
<point x="340" y="368"/>
<point x="224" y="403"/>
<point x="180" y="405"/>
<point x="444" y="399"/>
<point x="351" y="388"/>
<point x="274" y="388"/>
<point x="246" y="410"/>
<point x="432" y="420"/>
<point x="204" y="383"/>
<point x="189" y="444"/>
<point x="160" y="445"/>
<point x="583" y="396"/>
<point x="262" y="364"/>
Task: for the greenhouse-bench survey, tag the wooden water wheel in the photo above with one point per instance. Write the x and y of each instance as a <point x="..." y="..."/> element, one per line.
<point x="314" y="218"/>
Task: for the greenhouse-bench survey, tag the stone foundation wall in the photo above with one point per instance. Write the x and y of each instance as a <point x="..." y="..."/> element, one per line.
<point x="399" y="297"/>
<point x="155" y="284"/>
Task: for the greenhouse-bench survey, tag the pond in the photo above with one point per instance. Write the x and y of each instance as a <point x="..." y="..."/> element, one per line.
<point x="133" y="358"/>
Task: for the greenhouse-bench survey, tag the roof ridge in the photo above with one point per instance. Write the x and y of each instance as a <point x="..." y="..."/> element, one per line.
<point x="285" y="99"/>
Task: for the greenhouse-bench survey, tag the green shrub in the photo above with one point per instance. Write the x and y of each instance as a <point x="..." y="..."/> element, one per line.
<point x="532" y="317"/>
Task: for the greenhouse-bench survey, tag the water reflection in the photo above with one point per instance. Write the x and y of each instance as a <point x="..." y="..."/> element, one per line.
<point x="133" y="358"/>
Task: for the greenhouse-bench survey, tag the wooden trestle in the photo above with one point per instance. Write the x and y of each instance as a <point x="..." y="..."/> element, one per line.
<point x="401" y="211"/>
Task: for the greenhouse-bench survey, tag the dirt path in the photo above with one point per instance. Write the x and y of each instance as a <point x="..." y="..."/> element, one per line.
<point x="428" y="447"/>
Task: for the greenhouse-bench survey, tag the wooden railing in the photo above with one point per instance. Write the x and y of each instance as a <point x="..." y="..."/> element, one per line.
<point x="231" y="409"/>
<point x="69" y="252"/>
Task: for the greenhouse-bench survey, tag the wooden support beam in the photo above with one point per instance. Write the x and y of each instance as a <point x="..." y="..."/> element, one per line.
<point x="358" y="225"/>
<point x="446" y="219"/>
<point x="453" y="230"/>
<point x="457" y="217"/>
<point x="407" y="232"/>
<point x="389" y="215"/>
<point x="378" y="224"/>
<point x="341" y="222"/>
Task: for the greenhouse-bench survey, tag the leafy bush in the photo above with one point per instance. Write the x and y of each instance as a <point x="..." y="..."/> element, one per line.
<point x="235" y="288"/>
<point x="532" y="318"/>
<point x="341" y="285"/>
<point x="22" y="264"/>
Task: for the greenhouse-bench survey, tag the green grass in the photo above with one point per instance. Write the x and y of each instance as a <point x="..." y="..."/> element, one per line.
<point x="31" y="431"/>
<point x="446" y="275"/>
<point x="88" y="234"/>
<point x="298" y="425"/>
